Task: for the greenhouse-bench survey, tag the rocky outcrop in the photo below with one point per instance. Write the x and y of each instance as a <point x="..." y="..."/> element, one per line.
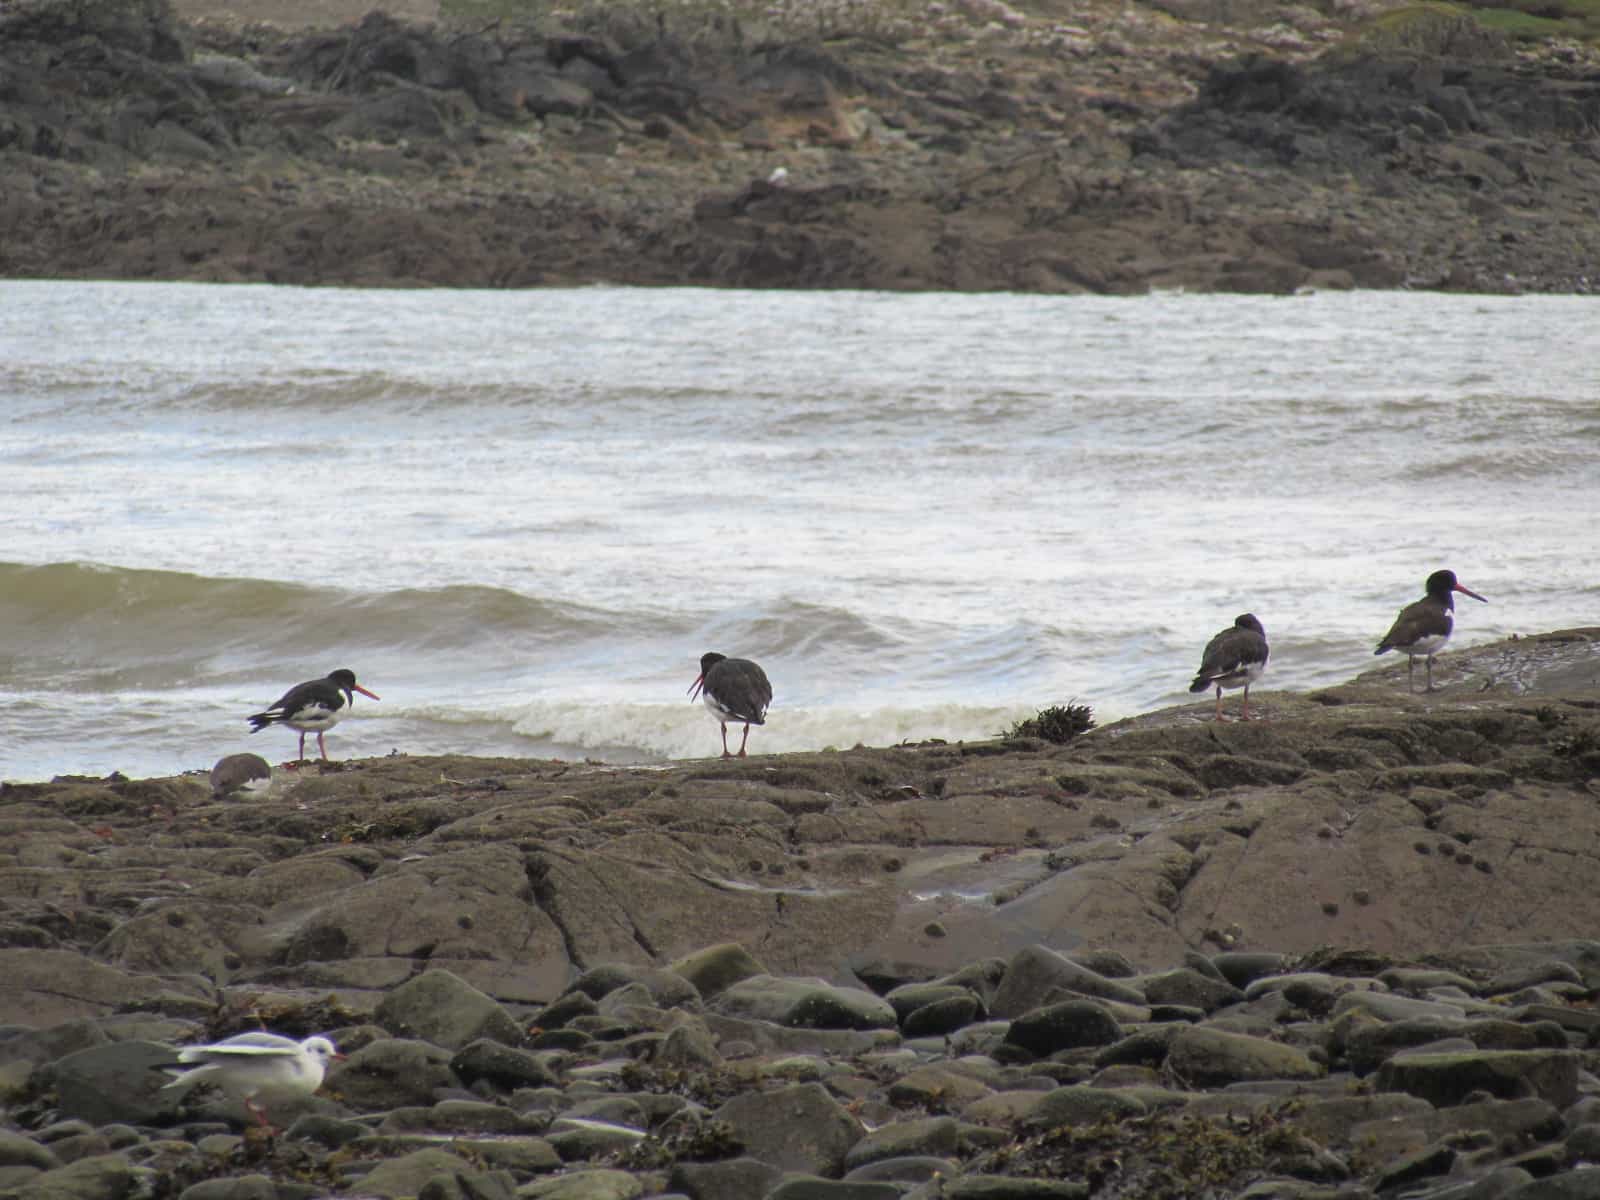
<point x="1344" y="948"/>
<point x="1131" y="150"/>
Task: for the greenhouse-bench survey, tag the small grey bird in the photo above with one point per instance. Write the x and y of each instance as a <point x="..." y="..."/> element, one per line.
<point x="252" y="1067"/>
<point x="735" y="689"/>
<point x="240" y="775"/>
<point x="1422" y="628"/>
<point x="315" y="706"/>
<point x="1236" y="657"/>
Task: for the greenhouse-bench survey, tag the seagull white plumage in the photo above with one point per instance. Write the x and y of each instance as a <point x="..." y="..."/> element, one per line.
<point x="251" y="1067"/>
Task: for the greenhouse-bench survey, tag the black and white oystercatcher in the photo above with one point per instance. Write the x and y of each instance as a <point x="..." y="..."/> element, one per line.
<point x="735" y="690"/>
<point x="315" y="706"/>
<point x="1234" y="658"/>
<point x="1422" y="629"/>
<point x="240" y="775"/>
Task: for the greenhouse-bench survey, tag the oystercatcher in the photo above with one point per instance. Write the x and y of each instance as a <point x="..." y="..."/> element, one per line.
<point x="736" y="689"/>
<point x="240" y="774"/>
<point x="256" y="1066"/>
<point x="312" y="707"/>
<point x="1234" y="658"/>
<point x="1422" y="629"/>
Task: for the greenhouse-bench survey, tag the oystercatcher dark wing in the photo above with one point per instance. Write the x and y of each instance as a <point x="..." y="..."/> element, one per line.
<point x="1236" y="657"/>
<point x="315" y="706"/>
<point x="1422" y="628"/>
<point x="735" y="690"/>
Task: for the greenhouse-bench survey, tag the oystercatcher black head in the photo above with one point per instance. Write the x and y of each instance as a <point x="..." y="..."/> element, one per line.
<point x="315" y="706"/>
<point x="1422" y="628"/>
<point x="735" y="689"/>
<point x="1236" y="657"/>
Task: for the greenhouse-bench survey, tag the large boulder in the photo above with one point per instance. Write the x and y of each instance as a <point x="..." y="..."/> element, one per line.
<point x="438" y="1007"/>
<point x="797" y="1128"/>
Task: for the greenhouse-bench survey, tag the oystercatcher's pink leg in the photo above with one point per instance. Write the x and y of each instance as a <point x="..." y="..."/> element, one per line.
<point x="725" y="753"/>
<point x="743" y="740"/>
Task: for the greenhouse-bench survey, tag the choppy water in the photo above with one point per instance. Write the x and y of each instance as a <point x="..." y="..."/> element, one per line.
<point x="520" y="517"/>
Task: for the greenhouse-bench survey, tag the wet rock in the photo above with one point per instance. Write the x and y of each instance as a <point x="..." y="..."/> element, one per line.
<point x="798" y="1128"/>
<point x="809" y="1187"/>
<point x="1242" y="968"/>
<point x="1581" y="1184"/>
<point x="909" y="997"/>
<point x="808" y="1003"/>
<point x="1447" y="1079"/>
<point x="1390" y="1137"/>
<point x="1210" y="1058"/>
<point x="503" y="1067"/>
<point x="596" y="1184"/>
<point x="117" y="1082"/>
<point x="240" y="1187"/>
<point x="716" y="968"/>
<point x="440" y="1008"/>
<point x="1076" y="1105"/>
<point x="49" y="987"/>
<point x="1034" y="973"/>
<point x="391" y="1072"/>
<point x="914" y="1168"/>
<point x="942" y="1016"/>
<point x="19" y="1151"/>
<point x="1064" y="1026"/>
<point x="731" y="1179"/>
<point x="928" y="1136"/>
<point x="104" y="1177"/>
<point x="407" y="1175"/>
<point x="688" y="1045"/>
<point x="1006" y="1187"/>
<point x="668" y="988"/>
<point x="1189" y="988"/>
<point x="936" y="1087"/>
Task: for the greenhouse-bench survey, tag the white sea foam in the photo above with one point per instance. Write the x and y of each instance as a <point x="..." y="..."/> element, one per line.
<point x="521" y="517"/>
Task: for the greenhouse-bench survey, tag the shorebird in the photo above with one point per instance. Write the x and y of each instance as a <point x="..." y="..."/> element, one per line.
<point x="240" y="774"/>
<point x="1234" y="658"/>
<point x="312" y="707"/>
<point x="257" y="1066"/>
<point x="1422" y="629"/>
<point x="735" y="690"/>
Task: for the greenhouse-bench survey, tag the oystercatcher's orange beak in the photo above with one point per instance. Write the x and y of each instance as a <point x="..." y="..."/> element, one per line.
<point x="700" y="682"/>
<point x="1466" y="591"/>
<point x="364" y="692"/>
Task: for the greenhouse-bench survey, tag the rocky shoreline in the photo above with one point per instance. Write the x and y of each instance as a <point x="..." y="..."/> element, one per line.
<point x="1091" y="147"/>
<point x="1346" y="952"/>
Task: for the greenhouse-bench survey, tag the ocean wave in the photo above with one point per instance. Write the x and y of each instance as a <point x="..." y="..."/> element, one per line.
<point x="105" y="628"/>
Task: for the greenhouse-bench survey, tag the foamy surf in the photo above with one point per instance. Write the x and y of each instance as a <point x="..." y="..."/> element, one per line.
<point x="668" y="731"/>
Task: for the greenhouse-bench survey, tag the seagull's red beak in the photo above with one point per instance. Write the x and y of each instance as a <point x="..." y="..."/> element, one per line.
<point x="371" y="695"/>
<point x="340" y="1055"/>
<point x="1466" y="591"/>
<point x="699" y="682"/>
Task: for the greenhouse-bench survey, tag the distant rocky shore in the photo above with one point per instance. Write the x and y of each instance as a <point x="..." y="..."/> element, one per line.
<point x="1260" y="146"/>
<point x="1346" y="952"/>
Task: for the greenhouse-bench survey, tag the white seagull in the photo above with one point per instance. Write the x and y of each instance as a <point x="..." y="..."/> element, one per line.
<point x="257" y="1066"/>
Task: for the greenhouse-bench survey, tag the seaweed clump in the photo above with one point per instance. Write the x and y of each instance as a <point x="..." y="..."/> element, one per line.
<point x="1162" y="1156"/>
<point x="1059" y="723"/>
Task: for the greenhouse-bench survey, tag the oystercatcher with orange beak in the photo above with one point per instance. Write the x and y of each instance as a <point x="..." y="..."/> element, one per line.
<point x="1422" y="629"/>
<point x="315" y="706"/>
